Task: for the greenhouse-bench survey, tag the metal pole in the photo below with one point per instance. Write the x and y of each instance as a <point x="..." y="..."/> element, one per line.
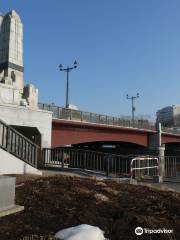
<point x="107" y="165"/>
<point x="132" y="105"/>
<point x="133" y="110"/>
<point x="67" y="70"/>
<point x="67" y="88"/>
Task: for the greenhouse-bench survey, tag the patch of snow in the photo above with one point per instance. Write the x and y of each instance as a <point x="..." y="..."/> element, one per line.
<point x="81" y="232"/>
<point x="101" y="197"/>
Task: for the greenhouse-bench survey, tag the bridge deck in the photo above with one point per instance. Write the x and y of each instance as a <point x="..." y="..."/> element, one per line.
<point x="94" y="118"/>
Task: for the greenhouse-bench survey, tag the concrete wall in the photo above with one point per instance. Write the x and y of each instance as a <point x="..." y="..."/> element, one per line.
<point x="9" y="164"/>
<point x="23" y="116"/>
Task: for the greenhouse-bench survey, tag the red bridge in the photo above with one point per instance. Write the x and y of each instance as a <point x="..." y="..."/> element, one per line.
<point x="66" y="132"/>
<point x="72" y="127"/>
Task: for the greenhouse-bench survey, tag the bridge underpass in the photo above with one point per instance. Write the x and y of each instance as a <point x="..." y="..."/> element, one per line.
<point x="172" y="149"/>
<point x="124" y="148"/>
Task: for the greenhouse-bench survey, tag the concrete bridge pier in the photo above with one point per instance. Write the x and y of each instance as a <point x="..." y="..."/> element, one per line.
<point x="155" y="143"/>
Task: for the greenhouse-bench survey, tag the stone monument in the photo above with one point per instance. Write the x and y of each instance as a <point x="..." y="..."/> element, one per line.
<point x="19" y="102"/>
<point x="12" y="89"/>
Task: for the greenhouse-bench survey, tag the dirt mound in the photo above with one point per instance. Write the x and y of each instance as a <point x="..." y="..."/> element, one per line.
<point x="58" y="202"/>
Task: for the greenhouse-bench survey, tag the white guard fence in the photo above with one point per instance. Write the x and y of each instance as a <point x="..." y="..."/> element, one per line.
<point x="144" y="167"/>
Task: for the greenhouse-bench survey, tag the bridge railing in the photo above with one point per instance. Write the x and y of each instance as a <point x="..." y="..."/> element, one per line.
<point x="18" y="145"/>
<point x="170" y="130"/>
<point x="76" y="115"/>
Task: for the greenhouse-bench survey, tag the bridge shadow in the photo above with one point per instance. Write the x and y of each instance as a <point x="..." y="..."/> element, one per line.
<point x="124" y="148"/>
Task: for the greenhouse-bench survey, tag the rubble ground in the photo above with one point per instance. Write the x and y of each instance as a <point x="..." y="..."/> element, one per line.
<point x="56" y="202"/>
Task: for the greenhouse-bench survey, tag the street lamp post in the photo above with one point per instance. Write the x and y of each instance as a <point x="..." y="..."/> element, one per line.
<point x="132" y="104"/>
<point x="67" y="70"/>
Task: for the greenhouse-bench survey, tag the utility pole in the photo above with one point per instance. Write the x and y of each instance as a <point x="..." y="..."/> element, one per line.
<point x="132" y="98"/>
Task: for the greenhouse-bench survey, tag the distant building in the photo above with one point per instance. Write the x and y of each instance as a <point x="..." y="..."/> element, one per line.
<point x="169" y="116"/>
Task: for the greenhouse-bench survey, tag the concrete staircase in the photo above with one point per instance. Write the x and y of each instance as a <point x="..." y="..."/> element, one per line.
<point x="18" y="155"/>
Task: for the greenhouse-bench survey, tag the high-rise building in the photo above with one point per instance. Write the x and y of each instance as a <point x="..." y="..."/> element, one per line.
<point x="169" y="116"/>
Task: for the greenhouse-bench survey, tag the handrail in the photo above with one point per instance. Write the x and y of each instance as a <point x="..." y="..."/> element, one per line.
<point x="170" y="131"/>
<point x="105" y="163"/>
<point x="83" y="116"/>
<point x="18" y="145"/>
<point x="20" y="134"/>
<point x="92" y="151"/>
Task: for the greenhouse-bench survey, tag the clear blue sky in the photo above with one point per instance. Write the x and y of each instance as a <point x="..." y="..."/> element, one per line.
<point x="122" y="46"/>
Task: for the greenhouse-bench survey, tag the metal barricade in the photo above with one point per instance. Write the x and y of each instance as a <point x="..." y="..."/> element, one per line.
<point x="143" y="167"/>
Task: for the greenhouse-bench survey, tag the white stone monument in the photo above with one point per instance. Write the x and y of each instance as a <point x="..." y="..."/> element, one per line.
<point x="12" y="89"/>
<point x="18" y="102"/>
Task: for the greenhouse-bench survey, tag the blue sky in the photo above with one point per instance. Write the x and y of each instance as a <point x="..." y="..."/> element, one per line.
<point x="122" y="46"/>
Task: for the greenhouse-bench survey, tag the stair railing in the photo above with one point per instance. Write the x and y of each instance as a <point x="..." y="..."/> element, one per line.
<point x="18" y="145"/>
